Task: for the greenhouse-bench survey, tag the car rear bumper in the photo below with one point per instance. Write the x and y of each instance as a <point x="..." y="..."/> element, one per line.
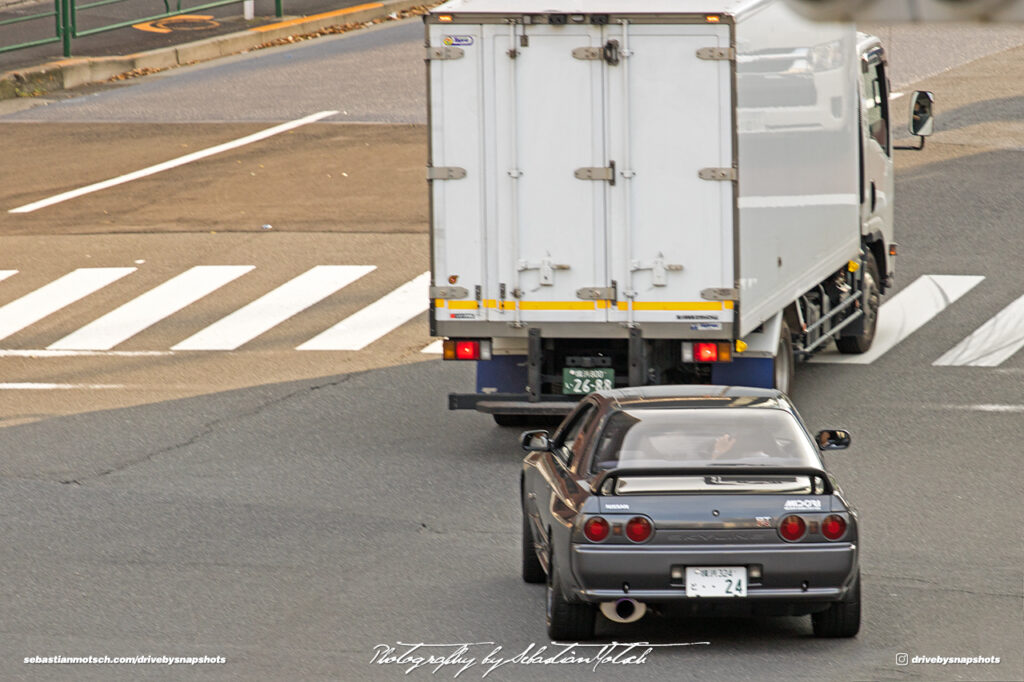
<point x="807" y="572"/>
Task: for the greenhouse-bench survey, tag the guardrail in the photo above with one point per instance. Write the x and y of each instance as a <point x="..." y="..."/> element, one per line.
<point x="66" y="12"/>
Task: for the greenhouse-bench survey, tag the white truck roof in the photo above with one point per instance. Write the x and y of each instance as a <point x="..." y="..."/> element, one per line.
<point x="603" y="6"/>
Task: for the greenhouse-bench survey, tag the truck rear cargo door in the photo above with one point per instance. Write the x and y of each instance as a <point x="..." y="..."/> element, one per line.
<point x="671" y="228"/>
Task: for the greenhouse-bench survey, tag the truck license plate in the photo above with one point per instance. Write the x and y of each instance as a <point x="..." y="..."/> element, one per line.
<point x="716" y="581"/>
<point x="579" y="380"/>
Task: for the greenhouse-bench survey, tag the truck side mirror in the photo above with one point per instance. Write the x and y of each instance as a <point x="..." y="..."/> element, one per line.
<point x="921" y="121"/>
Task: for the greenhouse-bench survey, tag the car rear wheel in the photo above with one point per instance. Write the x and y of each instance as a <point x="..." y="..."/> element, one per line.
<point x="567" y="621"/>
<point x="841" y="619"/>
<point x="533" y="572"/>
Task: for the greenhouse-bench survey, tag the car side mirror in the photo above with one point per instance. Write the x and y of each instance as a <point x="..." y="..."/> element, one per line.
<point x="833" y="439"/>
<point x="535" y="441"/>
<point x="921" y="123"/>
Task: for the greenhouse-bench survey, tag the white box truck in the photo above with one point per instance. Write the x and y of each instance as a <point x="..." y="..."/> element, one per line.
<point x="628" y="192"/>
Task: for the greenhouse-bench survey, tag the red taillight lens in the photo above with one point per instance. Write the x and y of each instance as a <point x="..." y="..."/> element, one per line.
<point x="638" y="529"/>
<point x="792" y="528"/>
<point x="596" y="529"/>
<point x="833" y="527"/>
<point x="467" y="350"/>
<point x="705" y="352"/>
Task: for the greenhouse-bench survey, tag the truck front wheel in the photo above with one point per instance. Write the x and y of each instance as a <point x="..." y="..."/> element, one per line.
<point x="870" y="300"/>
<point x="783" y="378"/>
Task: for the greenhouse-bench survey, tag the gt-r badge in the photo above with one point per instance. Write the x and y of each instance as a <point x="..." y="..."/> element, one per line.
<point x="763" y="521"/>
<point x="617" y="506"/>
<point x="806" y="505"/>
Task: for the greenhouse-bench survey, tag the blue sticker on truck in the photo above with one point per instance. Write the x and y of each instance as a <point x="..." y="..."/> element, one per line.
<point x="458" y="41"/>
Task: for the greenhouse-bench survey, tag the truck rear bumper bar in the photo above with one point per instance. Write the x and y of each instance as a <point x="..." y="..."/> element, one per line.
<point x="513" y="403"/>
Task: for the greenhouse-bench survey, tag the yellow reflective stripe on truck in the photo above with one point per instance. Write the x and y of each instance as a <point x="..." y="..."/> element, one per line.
<point x="643" y="306"/>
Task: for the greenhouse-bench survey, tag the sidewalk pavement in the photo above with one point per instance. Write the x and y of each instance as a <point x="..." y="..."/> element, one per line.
<point x="75" y="71"/>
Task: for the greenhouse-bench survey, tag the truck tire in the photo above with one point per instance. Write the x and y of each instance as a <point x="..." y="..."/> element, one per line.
<point x="841" y="619"/>
<point x="533" y="572"/>
<point x="872" y="298"/>
<point x="509" y="419"/>
<point x="567" y="621"/>
<point x="783" y="365"/>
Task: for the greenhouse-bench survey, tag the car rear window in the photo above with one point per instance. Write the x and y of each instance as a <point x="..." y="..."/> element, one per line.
<point x="703" y="437"/>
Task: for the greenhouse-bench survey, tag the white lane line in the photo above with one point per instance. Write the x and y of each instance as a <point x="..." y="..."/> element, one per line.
<point x="991" y="343"/>
<point x="270" y="310"/>
<point x="360" y="329"/>
<point x="151" y="307"/>
<point x="4" y="274"/>
<point x="56" y="387"/>
<point x="59" y="293"/>
<point x="44" y="354"/>
<point x="437" y="347"/>
<point x="173" y="163"/>
<point x="906" y="312"/>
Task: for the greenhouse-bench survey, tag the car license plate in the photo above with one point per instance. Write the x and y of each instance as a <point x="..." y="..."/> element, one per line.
<point x="580" y="380"/>
<point x="716" y="581"/>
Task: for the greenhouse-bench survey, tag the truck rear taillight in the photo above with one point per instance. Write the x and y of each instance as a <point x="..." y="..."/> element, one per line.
<point x="707" y="351"/>
<point x="467" y="349"/>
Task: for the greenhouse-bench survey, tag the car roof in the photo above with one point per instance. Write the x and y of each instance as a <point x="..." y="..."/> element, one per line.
<point x="694" y="396"/>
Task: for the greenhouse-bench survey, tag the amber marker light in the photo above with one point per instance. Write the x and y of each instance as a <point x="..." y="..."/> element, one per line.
<point x="445" y="18"/>
<point x="712" y="18"/>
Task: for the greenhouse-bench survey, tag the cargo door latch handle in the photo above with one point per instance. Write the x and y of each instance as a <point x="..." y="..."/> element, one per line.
<point x="597" y="173"/>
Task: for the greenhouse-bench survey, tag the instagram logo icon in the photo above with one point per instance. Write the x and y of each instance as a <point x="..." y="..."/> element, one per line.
<point x="902" y="659"/>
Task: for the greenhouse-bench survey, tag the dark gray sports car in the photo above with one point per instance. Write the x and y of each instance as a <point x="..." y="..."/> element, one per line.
<point x="690" y="499"/>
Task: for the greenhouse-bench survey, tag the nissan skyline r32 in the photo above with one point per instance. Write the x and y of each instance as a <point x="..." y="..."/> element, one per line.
<point x="700" y="500"/>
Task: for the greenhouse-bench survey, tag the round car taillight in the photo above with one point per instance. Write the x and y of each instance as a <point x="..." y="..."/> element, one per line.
<point x="792" y="528"/>
<point x="638" y="529"/>
<point x="833" y="527"/>
<point x="596" y="529"/>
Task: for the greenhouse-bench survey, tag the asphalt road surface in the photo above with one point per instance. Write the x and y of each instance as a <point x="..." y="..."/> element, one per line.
<point x="300" y="513"/>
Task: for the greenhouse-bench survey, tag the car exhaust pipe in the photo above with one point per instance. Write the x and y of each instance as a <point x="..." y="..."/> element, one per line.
<point x="624" y="610"/>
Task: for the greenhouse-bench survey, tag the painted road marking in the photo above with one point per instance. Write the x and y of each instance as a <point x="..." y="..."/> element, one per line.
<point x="991" y="343"/>
<point x="59" y="293"/>
<point x="181" y="22"/>
<point x="146" y="310"/>
<point x="313" y="17"/>
<point x="360" y="329"/>
<point x="266" y="312"/>
<point x="905" y="313"/>
<point x="437" y="347"/>
<point x="4" y="274"/>
<point x="173" y="163"/>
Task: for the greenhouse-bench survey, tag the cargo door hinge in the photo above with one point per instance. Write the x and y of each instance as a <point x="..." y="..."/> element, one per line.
<point x="716" y="54"/>
<point x="609" y="52"/>
<point x="449" y="292"/>
<point x="546" y="267"/>
<point x="720" y="294"/>
<point x="597" y="173"/>
<point x="596" y="293"/>
<point x="445" y="173"/>
<point x="446" y="52"/>
<point x="659" y="269"/>
<point x="721" y="174"/>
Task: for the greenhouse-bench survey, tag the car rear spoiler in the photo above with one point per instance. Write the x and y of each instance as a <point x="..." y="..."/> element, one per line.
<point x="600" y="484"/>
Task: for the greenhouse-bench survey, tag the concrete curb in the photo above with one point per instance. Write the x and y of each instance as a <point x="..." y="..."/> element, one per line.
<point x="70" y="73"/>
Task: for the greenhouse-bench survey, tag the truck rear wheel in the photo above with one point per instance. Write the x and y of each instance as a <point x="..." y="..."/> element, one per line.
<point x="871" y="301"/>
<point x="509" y="419"/>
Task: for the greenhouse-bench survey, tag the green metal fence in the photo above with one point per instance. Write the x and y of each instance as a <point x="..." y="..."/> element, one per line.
<point x="65" y="15"/>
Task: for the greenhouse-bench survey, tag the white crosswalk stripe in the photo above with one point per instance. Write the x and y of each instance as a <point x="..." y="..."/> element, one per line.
<point x="906" y="312"/>
<point x="4" y="274"/>
<point x="58" y="294"/>
<point x="270" y="310"/>
<point x="992" y="343"/>
<point x="146" y="310"/>
<point x="377" y="319"/>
